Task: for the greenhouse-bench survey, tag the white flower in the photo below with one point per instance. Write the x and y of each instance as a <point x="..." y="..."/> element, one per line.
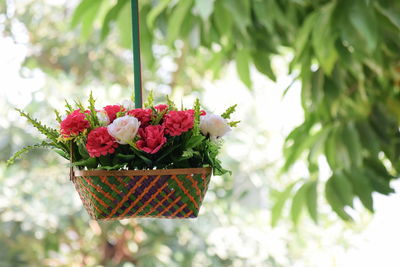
<point x="124" y="129"/>
<point x="103" y="118"/>
<point x="214" y="125"/>
<point x="128" y="104"/>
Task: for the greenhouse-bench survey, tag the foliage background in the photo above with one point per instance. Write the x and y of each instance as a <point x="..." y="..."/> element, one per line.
<point x="343" y="61"/>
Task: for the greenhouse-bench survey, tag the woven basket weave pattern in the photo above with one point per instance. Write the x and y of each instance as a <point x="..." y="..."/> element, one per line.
<point x="117" y="195"/>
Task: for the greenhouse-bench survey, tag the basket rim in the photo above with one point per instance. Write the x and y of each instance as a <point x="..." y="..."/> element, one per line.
<point x="79" y="173"/>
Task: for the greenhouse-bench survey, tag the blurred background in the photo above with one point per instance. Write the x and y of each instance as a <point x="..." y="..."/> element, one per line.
<point x="315" y="159"/>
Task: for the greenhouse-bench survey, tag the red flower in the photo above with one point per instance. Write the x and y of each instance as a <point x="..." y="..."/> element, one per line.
<point x="202" y="112"/>
<point x="152" y="139"/>
<point x="161" y="107"/>
<point x="143" y="115"/>
<point x="74" y="124"/>
<point x="177" y="122"/>
<point x="100" y="142"/>
<point x="112" y="111"/>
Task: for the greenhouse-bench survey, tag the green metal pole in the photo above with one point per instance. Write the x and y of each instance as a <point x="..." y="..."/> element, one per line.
<point x="137" y="68"/>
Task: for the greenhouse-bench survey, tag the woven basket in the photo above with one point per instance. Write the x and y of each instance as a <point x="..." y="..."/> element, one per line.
<point x="116" y="195"/>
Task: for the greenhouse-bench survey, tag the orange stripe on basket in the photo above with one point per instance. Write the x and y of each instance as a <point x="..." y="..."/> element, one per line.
<point x="141" y="195"/>
<point x="104" y="180"/>
<point x="93" y="195"/>
<point x="127" y="196"/>
<point x="185" y="191"/>
<point x="169" y="206"/>
<point x="159" y="203"/>
<point x="178" y="210"/>
<point x="98" y="188"/>
<point x="194" y="183"/>
<point x="150" y="199"/>
<point x="188" y="214"/>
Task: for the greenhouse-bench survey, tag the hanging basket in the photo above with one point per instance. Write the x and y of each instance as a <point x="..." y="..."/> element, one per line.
<point x="116" y="195"/>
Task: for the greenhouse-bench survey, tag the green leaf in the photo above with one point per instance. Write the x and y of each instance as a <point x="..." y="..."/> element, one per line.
<point x="311" y="200"/>
<point x="124" y="29"/>
<point x="262" y="62"/>
<point x="204" y="8"/>
<point x="276" y="212"/>
<point x="378" y="183"/>
<point x="88" y="20"/>
<point x="338" y="194"/>
<point x="324" y="38"/>
<point x="303" y="36"/>
<point x="125" y="157"/>
<point x="177" y="19"/>
<point x="363" y="19"/>
<point x="194" y="141"/>
<point x="223" y="19"/>
<point x="90" y="163"/>
<point x="112" y="16"/>
<point x="333" y="198"/>
<point x="390" y="14"/>
<point x="298" y="203"/>
<point x="362" y="188"/>
<point x="83" y="7"/>
<point x="155" y="12"/>
<point x="243" y="67"/>
<point x="352" y="142"/>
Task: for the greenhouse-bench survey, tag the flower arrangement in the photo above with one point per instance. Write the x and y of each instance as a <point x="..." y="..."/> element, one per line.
<point x="121" y="137"/>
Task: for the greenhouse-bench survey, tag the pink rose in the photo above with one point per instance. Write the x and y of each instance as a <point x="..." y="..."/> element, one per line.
<point x="100" y="142"/>
<point x="152" y="139"/>
<point x="143" y="115"/>
<point x="74" y="124"/>
<point x="202" y="112"/>
<point x="178" y="122"/>
<point x="161" y="107"/>
<point x="112" y="111"/>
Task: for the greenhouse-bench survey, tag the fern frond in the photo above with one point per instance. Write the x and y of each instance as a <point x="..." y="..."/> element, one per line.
<point x="234" y="123"/>
<point x="196" y="126"/>
<point x="69" y="107"/>
<point x="58" y="117"/>
<point x="227" y="114"/>
<point x="150" y="100"/>
<point x="171" y="104"/>
<point x="93" y="113"/>
<point x="26" y="149"/>
<point x="50" y="133"/>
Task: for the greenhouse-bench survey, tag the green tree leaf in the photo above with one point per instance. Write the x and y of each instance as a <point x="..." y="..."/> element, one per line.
<point x="243" y="67"/>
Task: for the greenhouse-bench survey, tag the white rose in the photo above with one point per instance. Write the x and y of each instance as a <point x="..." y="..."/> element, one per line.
<point x="128" y="104"/>
<point x="103" y="118"/>
<point x="124" y="129"/>
<point x="214" y="125"/>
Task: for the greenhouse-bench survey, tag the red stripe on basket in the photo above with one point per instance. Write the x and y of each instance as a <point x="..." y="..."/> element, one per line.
<point x="159" y="203"/>
<point x="104" y="180"/>
<point x="127" y="196"/>
<point x="185" y="191"/>
<point x="170" y="206"/>
<point x="141" y="195"/>
<point x="93" y="195"/>
<point x="194" y="183"/>
<point x="98" y="188"/>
